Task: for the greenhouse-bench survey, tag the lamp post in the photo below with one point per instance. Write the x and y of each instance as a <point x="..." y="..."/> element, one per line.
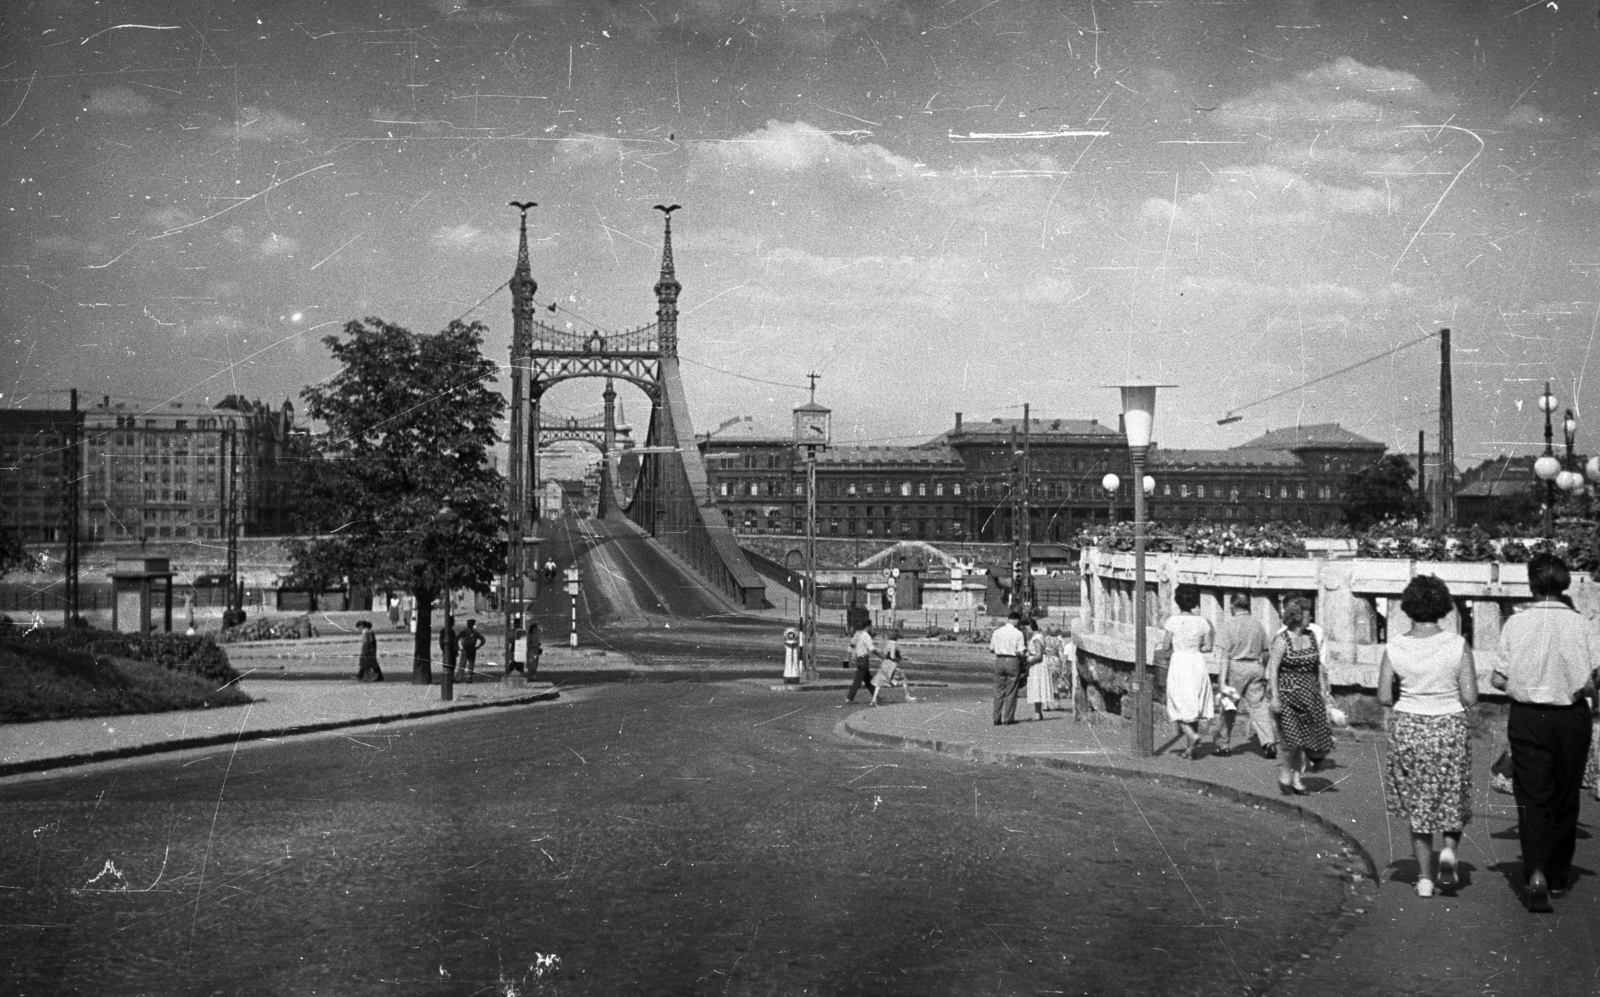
<point x="1138" y="420"/>
<point x="1111" y="483"/>
<point x="1547" y="466"/>
<point x="450" y="523"/>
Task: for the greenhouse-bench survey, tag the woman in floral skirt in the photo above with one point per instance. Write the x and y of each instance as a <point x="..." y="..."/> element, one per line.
<point x="1428" y="778"/>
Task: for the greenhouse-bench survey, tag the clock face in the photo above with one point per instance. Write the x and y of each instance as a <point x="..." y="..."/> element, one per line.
<point x="816" y="429"/>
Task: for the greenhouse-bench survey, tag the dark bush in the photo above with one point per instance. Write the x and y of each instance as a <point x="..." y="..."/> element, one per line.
<point x="199" y="656"/>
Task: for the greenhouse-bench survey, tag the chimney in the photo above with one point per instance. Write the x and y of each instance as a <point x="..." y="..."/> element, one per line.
<point x="958" y="422"/>
<point x="105" y="401"/>
<point x="1122" y="425"/>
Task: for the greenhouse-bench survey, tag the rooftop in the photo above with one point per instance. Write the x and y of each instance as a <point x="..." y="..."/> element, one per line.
<point x="1181" y="460"/>
<point x="1329" y="435"/>
<point x="920" y="455"/>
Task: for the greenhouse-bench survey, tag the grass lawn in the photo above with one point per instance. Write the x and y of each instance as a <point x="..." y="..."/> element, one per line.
<point x="47" y="683"/>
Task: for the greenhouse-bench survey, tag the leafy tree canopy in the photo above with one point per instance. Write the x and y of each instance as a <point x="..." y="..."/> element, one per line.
<point x="1380" y="491"/>
<point x="410" y="419"/>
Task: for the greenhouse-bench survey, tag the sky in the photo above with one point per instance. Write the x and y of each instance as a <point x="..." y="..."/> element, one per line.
<point x="935" y="205"/>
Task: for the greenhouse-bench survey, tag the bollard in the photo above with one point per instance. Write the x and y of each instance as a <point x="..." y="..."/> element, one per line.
<point x="791" y="657"/>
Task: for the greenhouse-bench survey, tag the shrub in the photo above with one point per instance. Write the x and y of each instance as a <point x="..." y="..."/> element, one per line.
<point x="44" y="681"/>
<point x="297" y="628"/>
<point x="198" y="656"/>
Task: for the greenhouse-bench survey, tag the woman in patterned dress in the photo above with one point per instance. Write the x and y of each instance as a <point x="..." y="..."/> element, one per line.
<point x="1428" y="777"/>
<point x="1188" y="680"/>
<point x="1294" y="681"/>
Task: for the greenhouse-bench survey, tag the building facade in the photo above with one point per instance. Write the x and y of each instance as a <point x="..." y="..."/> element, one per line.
<point x="36" y="471"/>
<point x="966" y="484"/>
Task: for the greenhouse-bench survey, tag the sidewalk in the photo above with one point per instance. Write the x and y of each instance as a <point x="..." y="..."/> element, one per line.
<point x="281" y="707"/>
<point x="1479" y="941"/>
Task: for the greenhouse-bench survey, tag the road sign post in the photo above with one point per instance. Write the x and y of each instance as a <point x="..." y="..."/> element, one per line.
<point x="572" y="590"/>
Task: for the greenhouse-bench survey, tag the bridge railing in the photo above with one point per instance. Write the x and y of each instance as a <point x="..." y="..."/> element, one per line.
<point x="1357" y="602"/>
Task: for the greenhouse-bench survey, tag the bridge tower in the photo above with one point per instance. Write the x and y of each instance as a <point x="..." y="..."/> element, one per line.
<point x="671" y="500"/>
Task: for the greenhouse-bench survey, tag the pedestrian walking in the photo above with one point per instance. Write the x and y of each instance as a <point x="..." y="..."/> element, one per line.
<point x="394" y="612"/>
<point x="1241" y="654"/>
<point x="367" y="669"/>
<point x="1311" y="761"/>
<point x="535" y="650"/>
<point x="1296" y="685"/>
<point x="467" y="648"/>
<point x="861" y="652"/>
<point x="1040" y="685"/>
<point x="1189" y="698"/>
<point x="448" y="643"/>
<point x="891" y="672"/>
<point x="1009" y="647"/>
<point x="1548" y="660"/>
<point x="1428" y="775"/>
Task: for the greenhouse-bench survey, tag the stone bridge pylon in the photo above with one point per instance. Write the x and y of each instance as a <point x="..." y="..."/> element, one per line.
<point x="671" y="499"/>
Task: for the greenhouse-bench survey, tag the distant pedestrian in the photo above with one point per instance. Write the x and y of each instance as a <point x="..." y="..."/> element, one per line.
<point x="1189" y="699"/>
<point x="1549" y="656"/>
<point x="1040" y="684"/>
<point x="861" y="652"/>
<point x="448" y="642"/>
<point x="394" y="612"/>
<point x="467" y="646"/>
<point x="891" y="672"/>
<point x="367" y="669"/>
<point x="1296" y="684"/>
<point x="535" y="650"/>
<point x="1009" y="647"/>
<point x="1428" y="777"/>
<point x="1241" y="652"/>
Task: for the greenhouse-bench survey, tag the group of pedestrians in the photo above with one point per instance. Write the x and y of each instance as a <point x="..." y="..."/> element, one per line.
<point x="891" y="672"/>
<point x="1549" y="668"/>
<point x="459" y="648"/>
<point x="1020" y="669"/>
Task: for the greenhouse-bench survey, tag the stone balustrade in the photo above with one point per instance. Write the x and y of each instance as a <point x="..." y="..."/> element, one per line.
<point x="1357" y="603"/>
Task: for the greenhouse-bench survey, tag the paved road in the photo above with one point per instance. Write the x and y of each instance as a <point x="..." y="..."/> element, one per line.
<point x="664" y="839"/>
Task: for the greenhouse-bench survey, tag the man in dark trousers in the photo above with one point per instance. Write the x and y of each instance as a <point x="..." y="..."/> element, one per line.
<point x="1008" y="644"/>
<point x="1548" y="660"/>
<point x="467" y="646"/>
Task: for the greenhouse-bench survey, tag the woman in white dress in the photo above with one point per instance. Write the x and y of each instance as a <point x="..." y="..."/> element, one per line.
<point x="1188" y="680"/>
<point x="1041" y="681"/>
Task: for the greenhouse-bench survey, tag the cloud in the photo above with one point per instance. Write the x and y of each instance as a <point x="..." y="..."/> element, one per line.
<point x="468" y="238"/>
<point x="256" y="124"/>
<point x="169" y="218"/>
<point x="584" y="148"/>
<point x="798" y="147"/>
<point x="119" y="101"/>
<point x="1531" y="118"/>
<point x="1264" y="195"/>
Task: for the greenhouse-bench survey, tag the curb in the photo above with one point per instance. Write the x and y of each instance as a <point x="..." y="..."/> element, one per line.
<point x="992" y="757"/>
<point x="213" y="740"/>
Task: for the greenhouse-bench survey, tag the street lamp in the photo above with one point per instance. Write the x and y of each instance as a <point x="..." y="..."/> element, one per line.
<point x="1111" y="483"/>
<point x="1570" y="480"/>
<point x="449" y="522"/>
<point x="1138" y="421"/>
<point x="1547" y="466"/>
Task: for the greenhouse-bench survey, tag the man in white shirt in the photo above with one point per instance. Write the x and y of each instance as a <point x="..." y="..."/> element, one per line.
<point x="1549" y="656"/>
<point x="1008" y="644"/>
<point x="861" y="652"/>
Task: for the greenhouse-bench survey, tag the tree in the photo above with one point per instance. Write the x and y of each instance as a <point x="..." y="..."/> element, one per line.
<point x="1380" y="491"/>
<point x="13" y="555"/>
<point x="410" y="422"/>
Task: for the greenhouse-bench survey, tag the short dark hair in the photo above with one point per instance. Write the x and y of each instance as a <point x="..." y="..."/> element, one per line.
<point x="472" y="623"/>
<point x="363" y="623"/>
<point x="1187" y="597"/>
<point x="1548" y="575"/>
<point x="1031" y="623"/>
<point x="1240" y="600"/>
<point x="1014" y="615"/>
<point x="1295" y="614"/>
<point x="1426" y="599"/>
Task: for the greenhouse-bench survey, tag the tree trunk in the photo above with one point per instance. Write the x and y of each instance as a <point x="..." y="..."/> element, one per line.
<point x="422" y="643"/>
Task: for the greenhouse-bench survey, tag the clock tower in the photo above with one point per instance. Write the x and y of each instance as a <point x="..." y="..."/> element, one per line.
<point x="813" y="423"/>
<point x="813" y="430"/>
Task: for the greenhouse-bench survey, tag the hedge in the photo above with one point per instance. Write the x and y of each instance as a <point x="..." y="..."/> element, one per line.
<point x="198" y="656"/>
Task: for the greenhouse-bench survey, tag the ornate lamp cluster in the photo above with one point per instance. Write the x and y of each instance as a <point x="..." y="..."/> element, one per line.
<point x="1561" y="472"/>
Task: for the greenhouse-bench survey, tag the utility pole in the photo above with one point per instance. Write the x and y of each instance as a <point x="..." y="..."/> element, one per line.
<point x="1422" y="476"/>
<point x="233" y="615"/>
<point x="1027" y="512"/>
<point x="72" y="472"/>
<point x="812" y="431"/>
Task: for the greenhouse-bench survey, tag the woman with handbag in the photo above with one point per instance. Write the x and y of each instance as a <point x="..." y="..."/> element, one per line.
<point x="1041" y="686"/>
<point x="1428" y="775"/>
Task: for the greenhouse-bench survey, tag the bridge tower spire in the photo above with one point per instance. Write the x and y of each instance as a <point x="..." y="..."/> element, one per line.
<point x="667" y="289"/>
<point x="522" y="442"/>
<point x="608" y="448"/>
